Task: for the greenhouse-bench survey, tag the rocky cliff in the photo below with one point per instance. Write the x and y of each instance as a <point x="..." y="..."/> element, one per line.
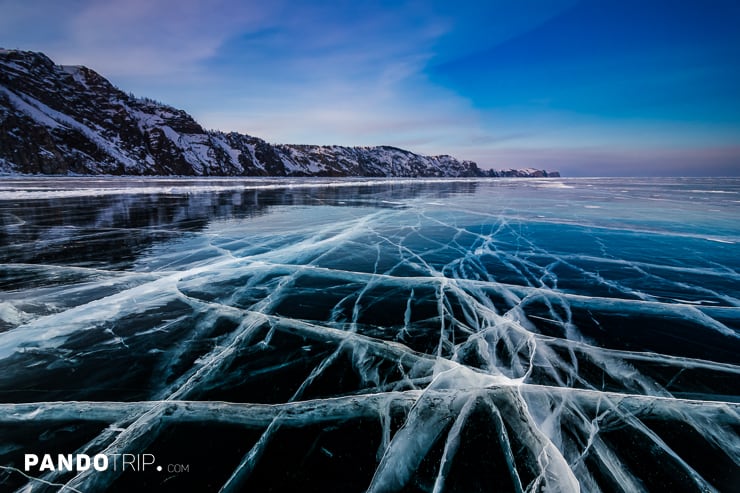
<point x="70" y="120"/>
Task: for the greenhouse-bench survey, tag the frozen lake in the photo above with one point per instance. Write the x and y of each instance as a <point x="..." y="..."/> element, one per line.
<point x="372" y="335"/>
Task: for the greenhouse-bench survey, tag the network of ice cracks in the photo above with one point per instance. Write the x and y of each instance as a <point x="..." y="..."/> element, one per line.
<point x="448" y="350"/>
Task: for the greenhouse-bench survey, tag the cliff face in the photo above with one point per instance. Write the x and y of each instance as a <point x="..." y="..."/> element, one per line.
<point x="70" y="120"/>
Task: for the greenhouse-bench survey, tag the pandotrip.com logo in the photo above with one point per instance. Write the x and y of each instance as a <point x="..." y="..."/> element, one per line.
<point x="35" y="463"/>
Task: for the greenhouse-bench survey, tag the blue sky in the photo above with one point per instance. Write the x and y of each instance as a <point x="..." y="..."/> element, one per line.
<point x="591" y="87"/>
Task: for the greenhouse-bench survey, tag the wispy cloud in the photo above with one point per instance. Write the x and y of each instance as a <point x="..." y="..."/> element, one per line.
<point x="145" y="37"/>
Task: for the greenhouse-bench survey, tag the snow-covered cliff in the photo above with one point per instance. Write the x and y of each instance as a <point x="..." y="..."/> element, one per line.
<point x="67" y="119"/>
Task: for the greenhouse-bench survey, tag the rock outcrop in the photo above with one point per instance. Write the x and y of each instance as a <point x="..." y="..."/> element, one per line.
<point x="70" y="120"/>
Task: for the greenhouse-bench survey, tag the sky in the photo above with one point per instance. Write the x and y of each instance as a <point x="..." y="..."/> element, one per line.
<point x="589" y="87"/>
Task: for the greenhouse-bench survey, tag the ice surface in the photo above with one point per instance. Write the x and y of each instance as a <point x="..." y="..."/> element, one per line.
<point x="373" y="335"/>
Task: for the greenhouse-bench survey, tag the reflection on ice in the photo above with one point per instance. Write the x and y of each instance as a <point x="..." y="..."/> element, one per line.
<point x="443" y="336"/>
